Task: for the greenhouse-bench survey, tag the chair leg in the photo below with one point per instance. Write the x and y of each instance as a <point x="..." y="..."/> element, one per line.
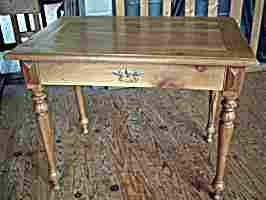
<point x="83" y="118"/>
<point x="213" y="107"/>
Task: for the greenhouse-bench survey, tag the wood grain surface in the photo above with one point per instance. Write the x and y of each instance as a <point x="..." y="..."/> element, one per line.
<point x="161" y="40"/>
<point x="142" y="144"/>
<point x="181" y="76"/>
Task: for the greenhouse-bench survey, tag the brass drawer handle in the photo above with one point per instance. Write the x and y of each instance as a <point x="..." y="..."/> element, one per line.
<point x="128" y="75"/>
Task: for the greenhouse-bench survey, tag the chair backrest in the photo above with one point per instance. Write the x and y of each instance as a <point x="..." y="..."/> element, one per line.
<point x="144" y="7"/>
<point x="26" y="7"/>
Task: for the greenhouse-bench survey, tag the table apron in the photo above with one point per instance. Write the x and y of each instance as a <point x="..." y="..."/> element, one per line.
<point x="102" y="74"/>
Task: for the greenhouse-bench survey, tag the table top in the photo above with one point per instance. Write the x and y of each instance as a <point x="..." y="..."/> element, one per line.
<point x="161" y="40"/>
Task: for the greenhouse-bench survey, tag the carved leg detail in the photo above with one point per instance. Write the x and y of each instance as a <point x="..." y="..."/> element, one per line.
<point x="83" y="118"/>
<point x="213" y="107"/>
<point x="226" y="128"/>
<point x="41" y="109"/>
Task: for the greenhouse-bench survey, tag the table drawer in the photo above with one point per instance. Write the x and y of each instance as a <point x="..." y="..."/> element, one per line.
<point x="182" y="76"/>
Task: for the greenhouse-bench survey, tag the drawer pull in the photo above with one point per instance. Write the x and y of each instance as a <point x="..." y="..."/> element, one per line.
<point x="128" y="75"/>
<point x="200" y="68"/>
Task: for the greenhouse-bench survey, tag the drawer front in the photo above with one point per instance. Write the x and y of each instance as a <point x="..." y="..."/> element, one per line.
<point x="180" y="76"/>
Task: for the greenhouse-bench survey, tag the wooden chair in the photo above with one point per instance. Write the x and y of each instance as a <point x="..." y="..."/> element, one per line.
<point x="26" y="7"/>
<point x="13" y="8"/>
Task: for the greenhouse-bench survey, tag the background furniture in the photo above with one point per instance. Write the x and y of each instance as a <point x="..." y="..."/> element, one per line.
<point x="13" y="8"/>
<point x="42" y="10"/>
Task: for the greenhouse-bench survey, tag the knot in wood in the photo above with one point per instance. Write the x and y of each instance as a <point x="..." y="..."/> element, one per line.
<point x="114" y="188"/>
<point x="77" y="195"/>
<point x="18" y="153"/>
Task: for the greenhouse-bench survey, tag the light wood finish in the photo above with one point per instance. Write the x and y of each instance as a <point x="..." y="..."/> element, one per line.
<point x="213" y="95"/>
<point x="41" y="109"/>
<point x="213" y="8"/>
<point x="10" y="7"/>
<point x="190" y="6"/>
<point x="207" y="53"/>
<point x="256" y="26"/>
<point x="120" y="7"/>
<point x="231" y="92"/>
<point x="83" y="118"/>
<point x="167" y="7"/>
<point x="236" y="10"/>
<point x="191" y="77"/>
<point x="144" y="7"/>
<point x="200" y="38"/>
<point x="213" y="108"/>
<point x="234" y="81"/>
<point x="226" y="129"/>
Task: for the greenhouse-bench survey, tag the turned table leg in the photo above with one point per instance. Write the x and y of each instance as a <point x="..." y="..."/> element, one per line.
<point x="213" y="107"/>
<point x="83" y="118"/>
<point x="226" y="127"/>
<point x="41" y="110"/>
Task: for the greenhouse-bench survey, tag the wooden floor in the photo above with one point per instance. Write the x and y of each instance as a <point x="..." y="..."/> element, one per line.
<point x="143" y="144"/>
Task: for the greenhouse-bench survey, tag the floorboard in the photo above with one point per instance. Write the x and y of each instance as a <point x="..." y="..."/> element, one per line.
<point x="143" y="144"/>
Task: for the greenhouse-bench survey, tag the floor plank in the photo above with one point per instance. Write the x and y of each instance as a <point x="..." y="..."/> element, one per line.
<point x="143" y="144"/>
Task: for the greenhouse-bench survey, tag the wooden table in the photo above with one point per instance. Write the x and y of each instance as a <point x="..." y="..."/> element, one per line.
<point x="185" y="52"/>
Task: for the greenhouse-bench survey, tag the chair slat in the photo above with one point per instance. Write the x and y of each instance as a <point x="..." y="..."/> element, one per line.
<point x="144" y="7"/>
<point x="190" y="7"/>
<point x="27" y="21"/>
<point x="15" y="26"/>
<point x="236" y="10"/>
<point x="167" y="7"/>
<point x="213" y="8"/>
<point x="37" y="22"/>
<point x="256" y="26"/>
<point x="120" y="7"/>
